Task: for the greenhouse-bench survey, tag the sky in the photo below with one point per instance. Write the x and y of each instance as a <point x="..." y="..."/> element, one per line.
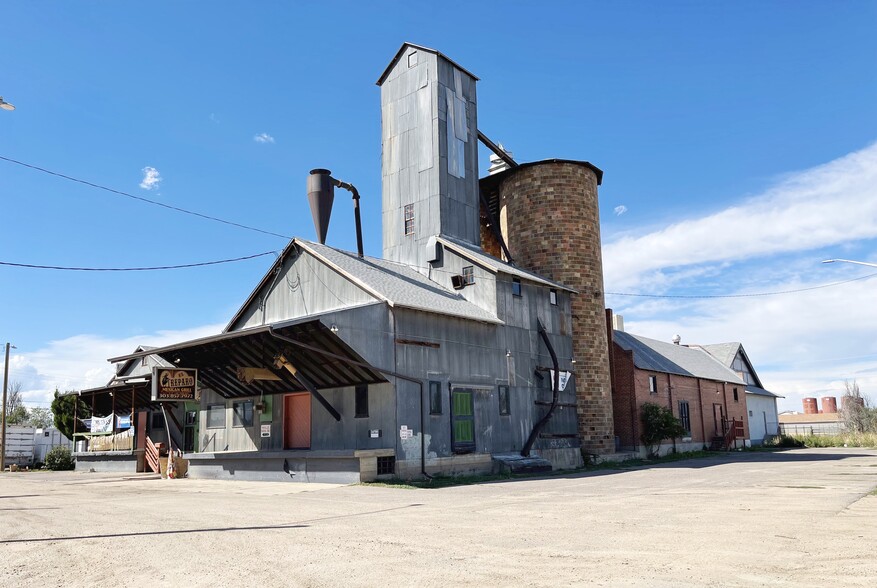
<point x="738" y="141"/>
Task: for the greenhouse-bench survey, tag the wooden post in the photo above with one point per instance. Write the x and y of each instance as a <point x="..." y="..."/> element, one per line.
<point x="113" y="423"/>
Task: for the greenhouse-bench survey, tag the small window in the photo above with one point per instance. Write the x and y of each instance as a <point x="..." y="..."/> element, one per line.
<point x="736" y="397"/>
<point x="216" y="416"/>
<point x="157" y="420"/>
<point x="191" y="415"/>
<point x="242" y="414"/>
<point x="361" y="408"/>
<point x="435" y="397"/>
<point x="469" y="275"/>
<point x="516" y="287"/>
<point x="409" y="219"/>
<point x="684" y="416"/>
<point x="412" y="59"/>
<point x="750" y="413"/>
<point x="386" y="465"/>
<point x="46" y="433"/>
<point x="504" y="401"/>
<point x="144" y="361"/>
<point x="653" y="384"/>
<point x="552" y="297"/>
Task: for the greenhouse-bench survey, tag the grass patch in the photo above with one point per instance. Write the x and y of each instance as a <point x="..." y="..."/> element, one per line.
<point x="443" y="481"/>
<point x="868" y="440"/>
<point x="639" y="462"/>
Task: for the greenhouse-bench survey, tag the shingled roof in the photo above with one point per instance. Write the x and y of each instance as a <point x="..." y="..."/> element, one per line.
<point x="658" y="356"/>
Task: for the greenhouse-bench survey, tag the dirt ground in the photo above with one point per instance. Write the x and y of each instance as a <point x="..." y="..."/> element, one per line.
<point x="795" y="518"/>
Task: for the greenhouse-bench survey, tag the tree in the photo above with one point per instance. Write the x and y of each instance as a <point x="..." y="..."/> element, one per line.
<point x="39" y="418"/>
<point x="16" y="413"/>
<point x="855" y="412"/>
<point x="64" y="406"/>
<point x="658" y="424"/>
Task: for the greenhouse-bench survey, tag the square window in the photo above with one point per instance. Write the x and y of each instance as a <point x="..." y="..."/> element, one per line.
<point x="386" y="465"/>
<point x="469" y="275"/>
<point x="242" y="414"/>
<point x="653" y="384"/>
<point x="361" y="401"/>
<point x="216" y="416"/>
<point x="516" y="287"/>
<point x="409" y="219"/>
<point x="552" y="297"/>
<point x="435" y="397"/>
<point x="504" y="400"/>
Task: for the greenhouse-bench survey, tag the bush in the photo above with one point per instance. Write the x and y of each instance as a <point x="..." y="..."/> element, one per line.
<point x="783" y="441"/>
<point x="658" y="424"/>
<point x="59" y="458"/>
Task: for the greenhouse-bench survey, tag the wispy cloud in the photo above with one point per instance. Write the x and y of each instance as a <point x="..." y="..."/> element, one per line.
<point x="151" y="178"/>
<point x="619" y="210"/>
<point x="263" y="138"/>
<point x="826" y="205"/>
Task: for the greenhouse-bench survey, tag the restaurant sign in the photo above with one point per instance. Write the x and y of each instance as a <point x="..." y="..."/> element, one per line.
<point x="174" y="384"/>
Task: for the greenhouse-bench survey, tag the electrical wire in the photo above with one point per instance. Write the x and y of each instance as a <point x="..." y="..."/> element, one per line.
<point x="135" y="269"/>
<point x="142" y="199"/>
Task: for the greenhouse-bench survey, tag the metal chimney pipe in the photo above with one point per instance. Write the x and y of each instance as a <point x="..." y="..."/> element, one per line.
<point x="321" y="195"/>
<point x="356" y="217"/>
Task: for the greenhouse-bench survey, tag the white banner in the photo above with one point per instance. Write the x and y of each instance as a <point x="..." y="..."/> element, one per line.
<point x="564" y="379"/>
<point x="102" y="424"/>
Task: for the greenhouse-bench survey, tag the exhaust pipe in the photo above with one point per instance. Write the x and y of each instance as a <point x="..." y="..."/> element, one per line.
<point x="321" y="194"/>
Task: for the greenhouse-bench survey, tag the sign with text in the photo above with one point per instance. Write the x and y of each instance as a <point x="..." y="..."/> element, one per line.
<point x="173" y="384"/>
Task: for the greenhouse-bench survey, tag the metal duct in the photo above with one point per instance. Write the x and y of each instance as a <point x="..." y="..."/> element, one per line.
<point x="321" y="195"/>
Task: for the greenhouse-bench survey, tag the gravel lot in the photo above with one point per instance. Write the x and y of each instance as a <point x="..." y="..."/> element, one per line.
<point x="795" y="518"/>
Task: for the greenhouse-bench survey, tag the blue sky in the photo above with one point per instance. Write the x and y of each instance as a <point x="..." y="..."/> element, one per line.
<point x="737" y="140"/>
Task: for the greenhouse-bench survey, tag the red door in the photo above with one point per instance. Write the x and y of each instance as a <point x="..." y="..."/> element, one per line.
<point x="297" y="421"/>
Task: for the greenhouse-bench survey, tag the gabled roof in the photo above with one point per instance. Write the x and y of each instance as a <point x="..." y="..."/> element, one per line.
<point x="494" y="264"/>
<point x="394" y="283"/>
<point x="401" y="50"/>
<point x="725" y="353"/>
<point x="658" y="356"/>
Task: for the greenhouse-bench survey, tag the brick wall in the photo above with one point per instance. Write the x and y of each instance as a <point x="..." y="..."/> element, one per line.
<point x="551" y="223"/>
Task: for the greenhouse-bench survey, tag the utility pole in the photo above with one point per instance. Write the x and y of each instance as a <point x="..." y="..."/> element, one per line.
<point x="3" y="433"/>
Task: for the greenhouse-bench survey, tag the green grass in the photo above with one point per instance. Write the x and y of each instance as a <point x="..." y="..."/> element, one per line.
<point x="640" y="462"/>
<point x="841" y="440"/>
<point x="442" y="481"/>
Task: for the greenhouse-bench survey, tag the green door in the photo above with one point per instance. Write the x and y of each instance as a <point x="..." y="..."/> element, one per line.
<point x="462" y="420"/>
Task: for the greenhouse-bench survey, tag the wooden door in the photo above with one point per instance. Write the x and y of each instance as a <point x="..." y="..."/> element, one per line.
<point x="297" y="421"/>
<point x="718" y="417"/>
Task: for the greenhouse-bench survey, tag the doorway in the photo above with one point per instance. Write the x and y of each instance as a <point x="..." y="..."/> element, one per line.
<point x="463" y="420"/>
<point x="297" y="421"/>
<point x="718" y="419"/>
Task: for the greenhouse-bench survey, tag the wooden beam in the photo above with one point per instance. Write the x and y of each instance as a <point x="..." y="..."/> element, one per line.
<point x="281" y="362"/>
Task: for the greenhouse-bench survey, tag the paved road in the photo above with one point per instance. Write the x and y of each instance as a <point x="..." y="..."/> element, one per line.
<point x="795" y="518"/>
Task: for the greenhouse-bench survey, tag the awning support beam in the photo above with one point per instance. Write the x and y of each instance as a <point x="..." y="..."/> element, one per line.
<point x="281" y="362"/>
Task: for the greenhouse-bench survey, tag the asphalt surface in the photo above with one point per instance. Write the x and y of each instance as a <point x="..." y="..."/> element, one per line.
<point x="793" y="518"/>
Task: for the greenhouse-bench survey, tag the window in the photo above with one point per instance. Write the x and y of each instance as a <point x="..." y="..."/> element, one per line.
<point x="435" y="397"/>
<point x="216" y="416"/>
<point x="516" y="287"/>
<point x="684" y="416"/>
<point x="653" y="384"/>
<point x="361" y="402"/>
<point x="191" y="415"/>
<point x="242" y="414"/>
<point x="736" y="397"/>
<point x="144" y="361"/>
<point x="409" y="219"/>
<point x="504" y="401"/>
<point x="157" y="420"/>
<point x="412" y="59"/>
<point x="386" y="465"/>
<point x="469" y="275"/>
<point x="552" y="297"/>
<point x="750" y="413"/>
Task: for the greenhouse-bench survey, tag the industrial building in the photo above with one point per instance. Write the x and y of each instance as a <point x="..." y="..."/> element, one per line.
<point x="476" y="341"/>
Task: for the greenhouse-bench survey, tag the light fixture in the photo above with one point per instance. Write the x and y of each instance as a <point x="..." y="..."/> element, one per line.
<point x="508" y="352"/>
<point x="5" y="105"/>
<point x="334" y="328"/>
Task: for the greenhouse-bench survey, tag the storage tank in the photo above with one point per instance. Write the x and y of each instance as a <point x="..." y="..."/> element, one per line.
<point x="829" y="405"/>
<point x="810" y="406"/>
<point x="846" y="400"/>
<point x="550" y="220"/>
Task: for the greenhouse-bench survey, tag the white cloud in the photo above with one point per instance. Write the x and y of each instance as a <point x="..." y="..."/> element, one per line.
<point x="80" y="362"/>
<point x="151" y="178"/>
<point x="826" y="205"/>
<point x="263" y="138"/>
<point x="619" y="210"/>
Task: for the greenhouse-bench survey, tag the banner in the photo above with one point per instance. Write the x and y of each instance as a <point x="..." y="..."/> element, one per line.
<point x="102" y="424"/>
<point x="123" y="422"/>
<point x="174" y="384"/>
<point x="563" y="380"/>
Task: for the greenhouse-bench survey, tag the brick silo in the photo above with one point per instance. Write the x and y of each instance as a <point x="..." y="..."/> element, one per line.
<point x="810" y="406"/>
<point x="829" y="405"/>
<point x="549" y="217"/>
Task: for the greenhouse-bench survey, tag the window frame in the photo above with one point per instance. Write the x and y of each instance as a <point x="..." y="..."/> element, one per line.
<point x="210" y="409"/>
<point x="685" y="416"/>
<point x="468" y="273"/>
<point x="239" y="421"/>
<point x="505" y="402"/>
<point x="517" y="288"/>
<point x="408" y="219"/>
<point x="360" y="402"/>
<point x="157" y="416"/>
<point x="736" y="395"/>
<point x="552" y="296"/>
<point x="435" y="398"/>
<point x="653" y="384"/>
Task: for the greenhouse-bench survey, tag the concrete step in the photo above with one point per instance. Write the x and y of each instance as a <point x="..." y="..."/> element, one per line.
<point x="515" y="463"/>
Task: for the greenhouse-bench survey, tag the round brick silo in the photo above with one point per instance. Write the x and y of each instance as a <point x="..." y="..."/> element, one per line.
<point x="829" y="405"/>
<point x="810" y="406"/>
<point x="550" y="220"/>
<point x="845" y="401"/>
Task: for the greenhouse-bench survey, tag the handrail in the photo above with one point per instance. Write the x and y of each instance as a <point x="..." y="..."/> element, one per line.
<point x="152" y="456"/>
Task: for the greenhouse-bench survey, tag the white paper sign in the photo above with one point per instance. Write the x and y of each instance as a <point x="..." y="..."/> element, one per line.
<point x="564" y="378"/>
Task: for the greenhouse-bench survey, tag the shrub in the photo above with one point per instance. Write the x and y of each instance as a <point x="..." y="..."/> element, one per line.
<point x="783" y="441"/>
<point x="658" y="424"/>
<point x="59" y="458"/>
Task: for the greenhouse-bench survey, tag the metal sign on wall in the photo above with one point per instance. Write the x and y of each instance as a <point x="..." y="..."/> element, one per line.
<point x="174" y="384"/>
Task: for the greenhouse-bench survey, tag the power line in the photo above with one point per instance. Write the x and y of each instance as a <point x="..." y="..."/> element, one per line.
<point x="135" y="269"/>
<point x="142" y="199"/>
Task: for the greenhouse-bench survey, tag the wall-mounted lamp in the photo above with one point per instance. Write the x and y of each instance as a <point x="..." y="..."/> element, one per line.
<point x="508" y="352"/>
<point x="334" y="328"/>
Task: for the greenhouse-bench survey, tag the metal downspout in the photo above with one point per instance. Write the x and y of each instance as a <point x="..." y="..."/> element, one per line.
<point x="371" y="367"/>
<point x="555" y="385"/>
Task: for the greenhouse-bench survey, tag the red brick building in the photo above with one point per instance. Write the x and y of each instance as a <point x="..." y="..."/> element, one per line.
<point x="707" y="397"/>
